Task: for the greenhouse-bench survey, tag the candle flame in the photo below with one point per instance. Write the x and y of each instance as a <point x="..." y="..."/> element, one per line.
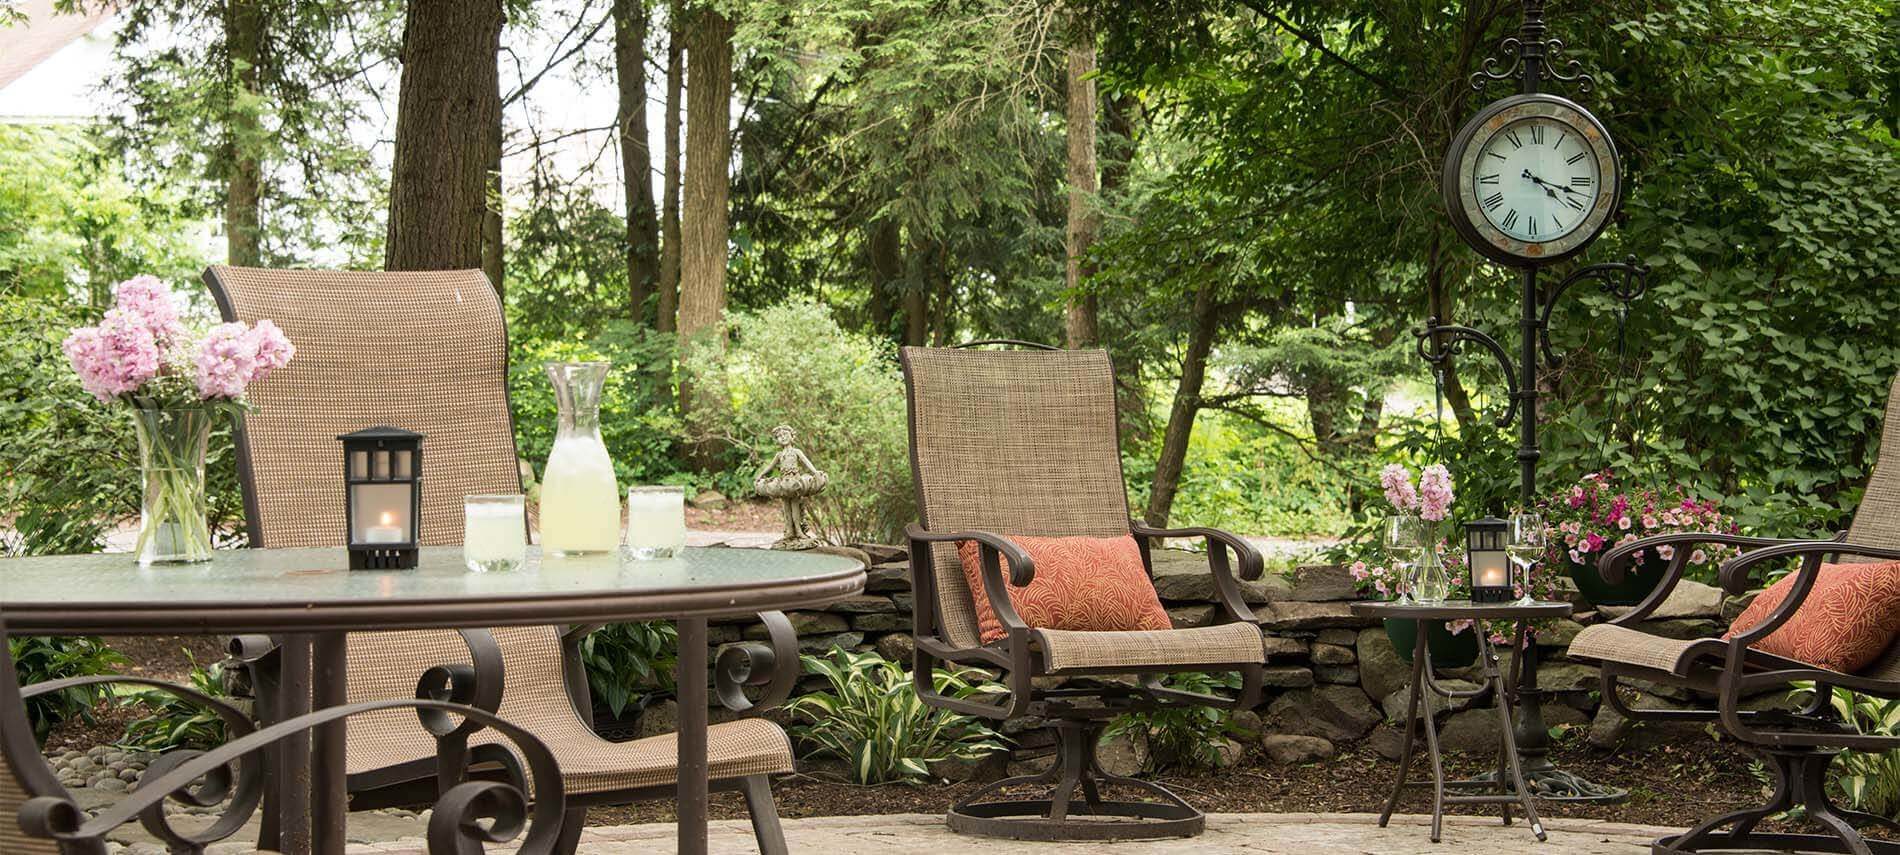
<point x="389" y="518"/>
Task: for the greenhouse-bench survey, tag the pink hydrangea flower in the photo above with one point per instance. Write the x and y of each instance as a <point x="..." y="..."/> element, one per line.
<point x="115" y="357"/>
<point x="226" y="361"/>
<point x="1397" y="481"/>
<point x="271" y="347"/>
<point x="1435" y="494"/>
<point x="149" y="301"/>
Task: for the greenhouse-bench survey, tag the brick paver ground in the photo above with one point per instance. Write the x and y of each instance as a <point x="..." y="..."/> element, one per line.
<point x="1246" y="833"/>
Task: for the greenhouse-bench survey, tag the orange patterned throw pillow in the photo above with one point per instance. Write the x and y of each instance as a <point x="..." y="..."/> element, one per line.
<point x="1082" y="583"/>
<point x="1847" y="621"/>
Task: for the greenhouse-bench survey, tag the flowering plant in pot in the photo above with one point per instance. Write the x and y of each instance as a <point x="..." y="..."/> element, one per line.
<point x="176" y="374"/>
<point x="1451" y="645"/>
<point x="1597" y="513"/>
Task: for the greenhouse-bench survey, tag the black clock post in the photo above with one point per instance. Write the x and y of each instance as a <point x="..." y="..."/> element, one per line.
<point x="1530" y="59"/>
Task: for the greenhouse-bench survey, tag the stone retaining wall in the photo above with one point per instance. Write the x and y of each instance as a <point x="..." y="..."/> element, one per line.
<point x="1330" y="677"/>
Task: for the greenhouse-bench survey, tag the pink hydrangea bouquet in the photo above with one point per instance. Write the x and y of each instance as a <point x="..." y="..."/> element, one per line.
<point x="177" y="373"/>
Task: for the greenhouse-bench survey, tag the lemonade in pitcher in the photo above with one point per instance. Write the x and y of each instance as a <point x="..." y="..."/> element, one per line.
<point x="580" y="500"/>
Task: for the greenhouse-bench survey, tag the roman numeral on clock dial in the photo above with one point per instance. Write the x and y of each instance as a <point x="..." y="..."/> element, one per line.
<point x="1537" y="135"/>
<point x="1492" y="202"/>
<point x="1574" y="158"/>
<point x="1488" y="179"/>
<point x="1581" y="181"/>
<point x="1510" y="218"/>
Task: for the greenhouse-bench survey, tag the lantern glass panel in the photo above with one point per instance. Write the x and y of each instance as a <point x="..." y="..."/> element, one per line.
<point x="381" y="464"/>
<point x="359" y="465"/>
<point x="380" y="513"/>
<point x="402" y="463"/>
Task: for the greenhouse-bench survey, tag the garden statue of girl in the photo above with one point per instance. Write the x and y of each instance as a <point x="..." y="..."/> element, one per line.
<point x="791" y="478"/>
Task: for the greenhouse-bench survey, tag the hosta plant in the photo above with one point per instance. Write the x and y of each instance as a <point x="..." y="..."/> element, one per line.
<point x="173" y="722"/>
<point x="872" y="719"/>
<point x="1868" y="780"/>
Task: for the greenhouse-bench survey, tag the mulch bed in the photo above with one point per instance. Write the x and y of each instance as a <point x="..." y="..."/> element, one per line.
<point x="1671" y="785"/>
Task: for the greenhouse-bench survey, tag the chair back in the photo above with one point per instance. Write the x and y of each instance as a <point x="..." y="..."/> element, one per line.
<point x="1877" y="520"/>
<point x="1016" y="442"/>
<point x="423" y="351"/>
<point x="23" y="772"/>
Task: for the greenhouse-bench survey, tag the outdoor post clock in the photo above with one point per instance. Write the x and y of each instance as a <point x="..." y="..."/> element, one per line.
<point x="1531" y="180"/>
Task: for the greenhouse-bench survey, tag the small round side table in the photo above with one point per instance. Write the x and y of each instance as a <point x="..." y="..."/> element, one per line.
<point x="1510" y="778"/>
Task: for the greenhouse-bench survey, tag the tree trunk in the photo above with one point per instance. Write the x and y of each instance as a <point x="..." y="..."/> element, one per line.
<point x="1081" y="320"/>
<point x="1439" y="306"/>
<point x="636" y="155"/>
<point x="916" y="297"/>
<point x="708" y="179"/>
<point x="450" y="99"/>
<point x="668" y="303"/>
<point x="244" y="174"/>
<point x="492" y="259"/>
<point x="1187" y="405"/>
<point x="887" y="266"/>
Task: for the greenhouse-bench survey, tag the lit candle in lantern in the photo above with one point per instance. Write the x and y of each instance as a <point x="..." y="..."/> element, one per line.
<point x="385" y="531"/>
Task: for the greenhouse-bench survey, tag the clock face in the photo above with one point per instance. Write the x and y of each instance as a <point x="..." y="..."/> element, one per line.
<point x="1536" y="179"/>
<point x="1531" y="179"/>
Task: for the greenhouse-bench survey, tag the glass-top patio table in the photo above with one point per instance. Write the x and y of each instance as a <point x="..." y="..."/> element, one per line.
<point x="310" y="599"/>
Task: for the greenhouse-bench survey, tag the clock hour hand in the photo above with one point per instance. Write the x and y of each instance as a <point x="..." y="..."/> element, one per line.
<point x="1549" y="188"/>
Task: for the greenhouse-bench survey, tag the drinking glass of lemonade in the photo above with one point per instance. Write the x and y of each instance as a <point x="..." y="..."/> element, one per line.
<point x="494" y="533"/>
<point x="656" y="522"/>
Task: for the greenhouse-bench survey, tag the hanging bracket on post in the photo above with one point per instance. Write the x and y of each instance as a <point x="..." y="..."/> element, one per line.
<point x="1438" y="343"/>
<point x="1626" y="281"/>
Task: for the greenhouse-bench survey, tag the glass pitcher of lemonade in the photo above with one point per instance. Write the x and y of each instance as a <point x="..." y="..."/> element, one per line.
<point x="580" y="500"/>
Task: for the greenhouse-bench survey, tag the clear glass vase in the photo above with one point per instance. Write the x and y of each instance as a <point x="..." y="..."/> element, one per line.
<point x="1432" y="584"/>
<point x="580" y="498"/>
<point x="172" y="513"/>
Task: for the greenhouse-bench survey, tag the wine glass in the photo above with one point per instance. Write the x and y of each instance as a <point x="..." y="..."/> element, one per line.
<point x="1404" y="541"/>
<point x="1526" y="548"/>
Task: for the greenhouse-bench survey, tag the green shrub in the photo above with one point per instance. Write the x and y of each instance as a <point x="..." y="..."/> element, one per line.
<point x="173" y="722"/>
<point x="872" y="719"/>
<point x="626" y="661"/>
<point x="42" y="658"/>
<point x="1182" y="737"/>
<point x="792" y="364"/>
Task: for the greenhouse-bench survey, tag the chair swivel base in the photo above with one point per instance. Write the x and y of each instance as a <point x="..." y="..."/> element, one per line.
<point x="1800" y="781"/>
<point x="1056" y="818"/>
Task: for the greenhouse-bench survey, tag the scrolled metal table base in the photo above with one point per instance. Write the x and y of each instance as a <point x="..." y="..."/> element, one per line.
<point x="1050" y="818"/>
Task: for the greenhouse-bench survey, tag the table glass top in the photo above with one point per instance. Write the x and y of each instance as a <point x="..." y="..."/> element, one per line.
<point x="1462" y="609"/>
<point x="253" y="576"/>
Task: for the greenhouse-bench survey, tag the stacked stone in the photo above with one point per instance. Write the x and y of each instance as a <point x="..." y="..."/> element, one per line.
<point x="1331" y="678"/>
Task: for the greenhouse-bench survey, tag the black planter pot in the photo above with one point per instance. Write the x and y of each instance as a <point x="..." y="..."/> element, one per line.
<point x="1637" y="583"/>
<point x="1448" y="650"/>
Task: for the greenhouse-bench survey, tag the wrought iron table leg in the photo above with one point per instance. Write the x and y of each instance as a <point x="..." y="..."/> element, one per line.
<point x="1405" y="750"/>
<point x="690" y="680"/>
<point x="1516" y="779"/>
<point x="293" y="770"/>
<point x="329" y="794"/>
<point x="1422" y="652"/>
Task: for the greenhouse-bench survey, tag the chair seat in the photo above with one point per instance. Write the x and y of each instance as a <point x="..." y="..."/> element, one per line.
<point x="1226" y="644"/>
<point x="1679" y="657"/>
<point x="735" y="749"/>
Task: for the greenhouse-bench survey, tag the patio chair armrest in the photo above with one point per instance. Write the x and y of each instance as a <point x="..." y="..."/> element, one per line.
<point x="1614" y="564"/>
<point x="1022" y="571"/>
<point x="1252" y="566"/>
<point x="1737" y="572"/>
<point x="456" y="827"/>
<point x="774" y="665"/>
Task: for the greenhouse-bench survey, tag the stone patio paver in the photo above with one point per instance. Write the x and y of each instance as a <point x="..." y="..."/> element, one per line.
<point x="1245" y="833"/>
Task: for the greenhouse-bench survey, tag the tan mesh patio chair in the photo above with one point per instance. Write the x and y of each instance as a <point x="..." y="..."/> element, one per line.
<point x="428" y="352"/>
<point x="1799" y="745"/>
<point x="38" y="816"/>
<point x="1023" y="442"/>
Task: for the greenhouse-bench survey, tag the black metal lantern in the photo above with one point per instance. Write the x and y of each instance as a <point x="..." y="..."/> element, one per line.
<point x="382" y="497"/>
<point x="1487" y="561"/>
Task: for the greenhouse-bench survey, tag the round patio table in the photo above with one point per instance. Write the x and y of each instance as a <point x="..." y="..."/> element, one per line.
<point x="311" y="599"/>
<point x="1510" y="778"/>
